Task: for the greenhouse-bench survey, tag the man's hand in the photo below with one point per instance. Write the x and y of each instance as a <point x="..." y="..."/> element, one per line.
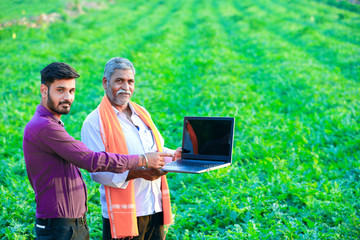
<point x="145" y="173"/>
<point x="155" y="160"/>
<point x="177" y="154"/>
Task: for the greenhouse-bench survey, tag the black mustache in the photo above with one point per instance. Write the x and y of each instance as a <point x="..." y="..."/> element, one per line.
<point x="65" y="102"/>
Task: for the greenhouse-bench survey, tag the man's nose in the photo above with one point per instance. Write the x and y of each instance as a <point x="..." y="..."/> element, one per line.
<point x="125" y="85"/>
<point x="67" y="96"/>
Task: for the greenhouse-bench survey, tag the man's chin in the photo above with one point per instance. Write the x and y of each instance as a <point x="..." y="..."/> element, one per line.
<point x="66" y="111"/>
<point x="123" y="97"/>
<point x="122" y="102"/>
<point x="118" y="101"/>
<point x="62" y="111"/>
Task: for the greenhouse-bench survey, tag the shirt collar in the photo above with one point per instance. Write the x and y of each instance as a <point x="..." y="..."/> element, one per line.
<point x="61" y="123"/>
<point x="132" y="109"/>
<point x="43" y="111"/>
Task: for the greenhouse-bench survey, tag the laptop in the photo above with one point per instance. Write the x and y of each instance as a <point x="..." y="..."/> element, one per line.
<point x="206" y="145"/>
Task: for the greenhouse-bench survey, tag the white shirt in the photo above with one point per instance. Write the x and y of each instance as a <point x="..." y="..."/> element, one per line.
<point x="139" y="140"/>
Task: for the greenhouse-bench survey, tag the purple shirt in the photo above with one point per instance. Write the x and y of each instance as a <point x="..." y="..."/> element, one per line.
<point x="52" y="159"/>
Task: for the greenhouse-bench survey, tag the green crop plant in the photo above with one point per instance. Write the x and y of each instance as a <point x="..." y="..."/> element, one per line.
<point x="288" y="71"/>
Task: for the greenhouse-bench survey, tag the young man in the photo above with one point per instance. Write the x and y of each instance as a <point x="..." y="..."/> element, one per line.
<point x="135" y="204"/>
<point x="52" y="159"/>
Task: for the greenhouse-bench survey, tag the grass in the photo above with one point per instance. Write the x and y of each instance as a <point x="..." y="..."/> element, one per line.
<point x="288" y="71"/>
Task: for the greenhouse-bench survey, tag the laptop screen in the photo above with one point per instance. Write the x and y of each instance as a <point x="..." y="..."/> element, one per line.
<point x="208" y="138"/>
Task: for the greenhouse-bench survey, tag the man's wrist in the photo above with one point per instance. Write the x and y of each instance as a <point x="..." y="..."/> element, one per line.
<point x="143" y="161"/>
<point x="146" y="161"/>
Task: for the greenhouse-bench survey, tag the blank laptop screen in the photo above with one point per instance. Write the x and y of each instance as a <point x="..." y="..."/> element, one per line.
<point x="207" y="139"/>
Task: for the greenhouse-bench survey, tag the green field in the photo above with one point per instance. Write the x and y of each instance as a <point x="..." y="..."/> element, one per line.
<point x="288" y="71"/>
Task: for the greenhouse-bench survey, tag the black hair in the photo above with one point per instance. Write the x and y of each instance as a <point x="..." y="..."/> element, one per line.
<point x="57" y="71"/>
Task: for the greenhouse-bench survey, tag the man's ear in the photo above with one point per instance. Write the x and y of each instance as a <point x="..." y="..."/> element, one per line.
<point x="43" y="90"/>
<point x="104" y="82"/>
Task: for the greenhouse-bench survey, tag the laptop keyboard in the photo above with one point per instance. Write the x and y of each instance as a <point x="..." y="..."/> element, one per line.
<point x="198" y="164"/>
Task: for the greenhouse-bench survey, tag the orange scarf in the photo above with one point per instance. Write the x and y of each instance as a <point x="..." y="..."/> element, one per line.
<point x="121" y="202"/>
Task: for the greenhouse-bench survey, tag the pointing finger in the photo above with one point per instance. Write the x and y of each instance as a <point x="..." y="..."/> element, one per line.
<point x="162" y="154"/>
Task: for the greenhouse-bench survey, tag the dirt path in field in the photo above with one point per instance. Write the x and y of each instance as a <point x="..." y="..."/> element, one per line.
<point x="72" y="10"/>
<point x="354" y="1"/>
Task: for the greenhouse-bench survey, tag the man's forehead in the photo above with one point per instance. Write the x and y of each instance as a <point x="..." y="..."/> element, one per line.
<point x="67" y="83"/>
<point x="123" y="73"/>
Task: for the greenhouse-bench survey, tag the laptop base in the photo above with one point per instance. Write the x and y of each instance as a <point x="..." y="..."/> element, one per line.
<point x="188" y="166"/>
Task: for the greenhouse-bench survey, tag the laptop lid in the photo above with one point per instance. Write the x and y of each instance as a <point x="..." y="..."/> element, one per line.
<point x="208" y="139"/>
<point x="206" y="145"/>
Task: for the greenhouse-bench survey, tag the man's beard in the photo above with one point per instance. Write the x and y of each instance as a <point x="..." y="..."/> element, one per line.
<point x="113" y="99"/>
<point x="57" y="109"/>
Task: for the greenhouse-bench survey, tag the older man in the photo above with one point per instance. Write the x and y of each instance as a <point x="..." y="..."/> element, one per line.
<point x="135" y="203"/>
<point x="52" y="159"/>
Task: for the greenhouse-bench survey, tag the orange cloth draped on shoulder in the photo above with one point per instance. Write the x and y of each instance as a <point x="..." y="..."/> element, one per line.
<point x="121" y="202"/>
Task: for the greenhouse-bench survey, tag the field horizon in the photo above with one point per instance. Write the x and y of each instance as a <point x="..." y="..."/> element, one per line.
<point x="288" y="71"/>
